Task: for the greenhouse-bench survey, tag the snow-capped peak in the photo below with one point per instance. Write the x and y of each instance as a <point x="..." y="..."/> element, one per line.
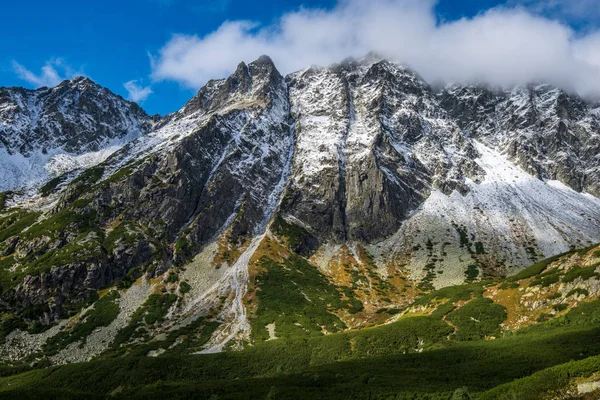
<point x="49" y="131"/>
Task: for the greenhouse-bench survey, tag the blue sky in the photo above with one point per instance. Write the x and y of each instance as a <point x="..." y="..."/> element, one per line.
<point x="130" y="44"/>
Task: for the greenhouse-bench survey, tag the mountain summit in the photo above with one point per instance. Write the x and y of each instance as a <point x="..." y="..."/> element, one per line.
<point x="50" y="131"/>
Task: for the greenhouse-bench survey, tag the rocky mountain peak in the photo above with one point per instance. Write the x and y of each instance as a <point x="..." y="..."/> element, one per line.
<point x="77" y="85"/>
<point x="83" y="79"/>
<point x="240" y="80"/>
<point x="546" y="130"/>
<point x="263" y="68"/>
<point x="264" y="60"/>
<point x="72" y="119"/>
<point x="255" y="80"/>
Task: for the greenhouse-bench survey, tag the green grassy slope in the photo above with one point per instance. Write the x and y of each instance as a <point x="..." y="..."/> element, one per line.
<point x="440" y="354"/>
<point x="347" y="365"/>
<point x="286" y="370"/>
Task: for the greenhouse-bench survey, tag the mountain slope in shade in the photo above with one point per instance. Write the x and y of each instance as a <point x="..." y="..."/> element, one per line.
<point x="50" y="131"/>
<point x="273" y="206"/>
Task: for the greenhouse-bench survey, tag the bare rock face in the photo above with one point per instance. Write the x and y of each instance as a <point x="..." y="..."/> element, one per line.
<point x="221" y="163"/>
<point x="371" y="141"/>
<point x="224" y="171"/>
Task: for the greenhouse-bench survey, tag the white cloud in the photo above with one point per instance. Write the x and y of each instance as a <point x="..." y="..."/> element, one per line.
<point x="52" y="73"/>
<point x="588" y="49"/>
<point x="503" y="46"/>
<point x="137" y="92"/>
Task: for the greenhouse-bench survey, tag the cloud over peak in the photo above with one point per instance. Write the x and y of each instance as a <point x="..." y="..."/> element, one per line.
<point x="503" y="46"/>
<point x="52" y="73"/>
<point x="137" y="92"/>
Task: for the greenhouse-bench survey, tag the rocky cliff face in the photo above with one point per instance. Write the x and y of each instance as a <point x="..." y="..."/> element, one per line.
<point x="371" y="140"/>
<point x="551" y="134"/>
<point x="219" y="163"/>
<point x="353" y="186"/>
<point x="54" y="130"/>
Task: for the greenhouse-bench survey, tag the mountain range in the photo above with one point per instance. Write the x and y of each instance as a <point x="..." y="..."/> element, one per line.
<point x="329" y="201"/>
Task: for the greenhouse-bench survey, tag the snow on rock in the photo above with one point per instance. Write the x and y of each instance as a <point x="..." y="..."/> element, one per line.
<point x="516" y="218"/>
<point x="550" y="133"/>
<point x="50" y="131"/>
